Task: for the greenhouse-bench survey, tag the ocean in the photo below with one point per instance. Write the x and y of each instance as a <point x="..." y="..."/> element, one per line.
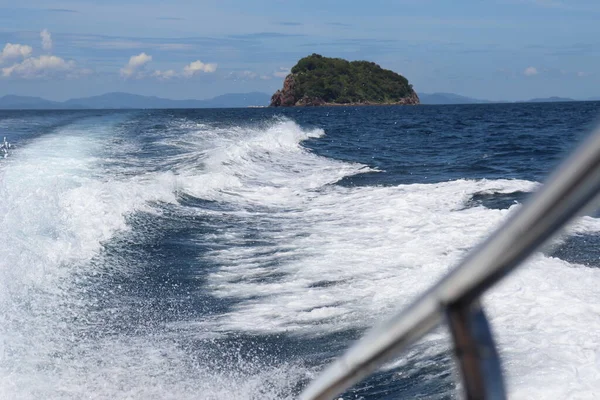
<point x="234" y="253"/>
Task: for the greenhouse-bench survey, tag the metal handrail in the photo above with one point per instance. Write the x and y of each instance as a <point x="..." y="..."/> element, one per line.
<point x="568" y="191"/>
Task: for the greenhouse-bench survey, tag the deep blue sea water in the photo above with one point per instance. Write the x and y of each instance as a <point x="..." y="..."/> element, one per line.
<point x="232" y="254"/>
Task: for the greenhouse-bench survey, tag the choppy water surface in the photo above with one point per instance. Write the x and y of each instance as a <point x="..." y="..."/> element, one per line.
<point x="212" y="254"/>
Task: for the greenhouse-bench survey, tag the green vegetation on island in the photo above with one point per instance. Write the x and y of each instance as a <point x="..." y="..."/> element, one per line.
<point x="317" y="80"/>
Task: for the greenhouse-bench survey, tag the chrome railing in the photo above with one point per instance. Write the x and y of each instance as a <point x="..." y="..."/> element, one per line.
<point x="455" y="298"/>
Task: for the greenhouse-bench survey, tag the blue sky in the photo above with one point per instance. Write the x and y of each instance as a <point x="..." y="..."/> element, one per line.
<point x="498" y="50"/>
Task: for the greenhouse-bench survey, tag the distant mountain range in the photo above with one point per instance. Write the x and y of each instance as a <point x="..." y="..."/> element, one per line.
<point x="451" y="98"/>
<point x="118" y="100"/>
<point x="552" y="99"/>
<point x="448" y="98"/>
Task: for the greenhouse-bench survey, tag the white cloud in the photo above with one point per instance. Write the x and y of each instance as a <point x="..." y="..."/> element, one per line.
<point x="198" y="66"/>
<point x="243" y="75"/>
<point x="165" y="74"/>
<point x="135" y="64"/>
<point x="248" y="74"/>
<point x="12" y="51"/>
<point x="282" y="72"/>
<point x="530" y="71"/>
<point x="46" y="40"/>
<point x="582" y="74"/>
<point x="136" y="68"/>
<point x="42" y="67"/>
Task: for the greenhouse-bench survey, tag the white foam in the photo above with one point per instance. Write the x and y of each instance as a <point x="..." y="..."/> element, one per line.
<point x="546" y="317"/>
<point x="58" y="206"/>
<point x="352" y="254"/>
<point x="147" y="368"/>
<point x="256" y="165"/>
<point x="335" y="258"/>
<point x="64" y="195"/>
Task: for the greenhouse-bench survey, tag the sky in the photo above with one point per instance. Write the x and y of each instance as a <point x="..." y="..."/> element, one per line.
<point x="180" y="49"/>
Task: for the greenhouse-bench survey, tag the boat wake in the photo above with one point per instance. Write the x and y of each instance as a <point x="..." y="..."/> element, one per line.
<point x="172" y="257"/>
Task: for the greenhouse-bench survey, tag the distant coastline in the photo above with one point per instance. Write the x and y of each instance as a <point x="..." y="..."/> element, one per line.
<point x="119" y="100"/>
<point x="452" y="98"/>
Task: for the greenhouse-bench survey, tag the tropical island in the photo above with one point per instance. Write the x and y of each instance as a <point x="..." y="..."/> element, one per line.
<point x="321" y="81"/>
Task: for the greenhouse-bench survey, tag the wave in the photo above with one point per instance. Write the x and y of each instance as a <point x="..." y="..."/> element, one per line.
<point x="69" y="192"/>
<point x="329" y="258"/>
<point x="354" y="255"/>
<point x="257" y="165"/>
<point x="58" y="208"/>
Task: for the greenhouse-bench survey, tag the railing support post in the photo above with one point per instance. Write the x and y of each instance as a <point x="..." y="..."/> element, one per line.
<point x="476" y="352"/>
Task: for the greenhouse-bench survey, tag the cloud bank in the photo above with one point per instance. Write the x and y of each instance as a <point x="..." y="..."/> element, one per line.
<point x="40" y="67"/>
<point x="135" y="68"/>
<point x="168" y="74"/>
<point x="530" y="71"/>
<point x="198" y="66"/>
<point x="25" y="66"/>
<point x="12" y="51"/>
<point x="46" y="40"/>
